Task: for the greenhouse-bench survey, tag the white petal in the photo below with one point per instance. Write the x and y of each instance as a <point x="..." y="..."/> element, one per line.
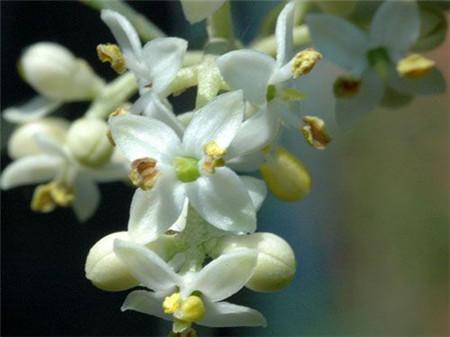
<point x="30" y="170"/>
<point x="247" y="163"/>
<point x="145" y="302"/>
<point x="50" y="145"/>
<point x="248" y="70"/>
<point x="127" y="38"/>
<point x="195" y="10"/>
<point x="217" y="121"/>
<point x="34" y="109"/>
<point x="154" y="212"/>
<point x="151" y="106"/>
<point x="222" y="201"/>
<point x="146" y="266"/>
<point x="339" y="41"/>
<point x="349" y="110"/>
<point x="142" y="137"/>
<point x="109" y="172"/>
<point x="256" y="189"/>
<point x="163" y="57"/>
<point x="430" y="84"/>
<point x="224" y="314"/>
<point x="225" y="275"/>
<point x="284" y="33"/>
<point x="255" y="133"/>
<point x="180" y="223"/>
<point x="396" y="26"/>
<point x="87" y="197"/>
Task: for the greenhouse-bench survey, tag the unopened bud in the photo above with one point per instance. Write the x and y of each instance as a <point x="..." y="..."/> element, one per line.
<point x="88" y="142"/>
<point x="286" y="176"/>
<point x="275" y="267"/>
<point x="22" y="141"/>
<point x="53" y="71"/>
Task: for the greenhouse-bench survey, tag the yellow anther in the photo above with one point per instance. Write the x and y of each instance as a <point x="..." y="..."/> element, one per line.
<point x="111" y="53"/>
<point x="414" y="66"/>
<point x="346" y="86"/>
<point x="192" y="309"/>
<point x="47" y="197"/>
<point x="315" y="133"/>
<point x="143" y="173"/>
<point x="305" y="61"/>
<point x="172" y="303"/>
<point x="213" y="150"/>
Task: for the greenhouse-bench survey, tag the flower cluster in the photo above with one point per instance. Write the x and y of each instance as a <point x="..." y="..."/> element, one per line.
<point x="191" y="238"/>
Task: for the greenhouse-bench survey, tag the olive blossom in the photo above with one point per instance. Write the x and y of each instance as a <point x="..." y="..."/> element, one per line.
<point x="192" y="297"/>
<point x="169" y="168"/>
<point x="374" y="59"/>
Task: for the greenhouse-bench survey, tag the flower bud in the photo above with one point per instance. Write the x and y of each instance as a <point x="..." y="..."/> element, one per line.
<point x="275" y="267"/>
<point x="88" y="142"/>
<point x="54" y="72"/>
<point x="22" y="142"/>
<point x="104" y="269"/>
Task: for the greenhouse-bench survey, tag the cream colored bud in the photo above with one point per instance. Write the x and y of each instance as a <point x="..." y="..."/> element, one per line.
<point x="54" y="72"/>
<point x="104" y="269"/>
<point x="275" y="268"/>
<point x="22" y="142"/>
<point x="88" y="142"/>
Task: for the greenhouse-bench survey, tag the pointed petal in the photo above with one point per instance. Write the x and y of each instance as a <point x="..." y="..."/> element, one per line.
<point x="30" y="170"/>
<point x="248" y="163"/>
<point x="225" y="275"/>
<point x="87" y="197"/>
<point x="145" y="302"/>
<point x="217" y="121"/>
<point x="50" y="145"/>
<point x="34" y="109"/>
<point x="349" y="110"/>
<point x="154" y="212"/>
<point x="151" y="106"/>
<point x="430" y="84"/>
<point x="255" y="133"/>
<point x="196" y="11"/>
<point x="146" y="266"/>
<point x="388" y="30"/>
<point x="284" y="34"/>
<point x="142" y="137"/>
<point x="338" y="40"/>
<point x="248" y="70"/>
<point x="224" y="314"/>
<point x="163" y="57"/>
<point x="256" y="189"/>
<point x="221" y="200"/>
<point x="126" y="36"/>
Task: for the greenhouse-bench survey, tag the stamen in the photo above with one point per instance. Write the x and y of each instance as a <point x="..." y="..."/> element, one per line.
<point x="305" y="61"/>
<point x="214" y="156"/>
<point x="346" y="86"/>
<point x="315" y="133"/>
<point x="111" y="53"/>
<point x="120" y="111"/>
<point x="414" y="66"/>
<point x="143" y="173"/>
<point x="172" y="303"/>
<point x="46" y="197"/>
<point x="192" y="309"/>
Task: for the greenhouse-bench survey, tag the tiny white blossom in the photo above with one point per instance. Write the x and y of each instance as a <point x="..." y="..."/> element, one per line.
<point x="193" y="297"/>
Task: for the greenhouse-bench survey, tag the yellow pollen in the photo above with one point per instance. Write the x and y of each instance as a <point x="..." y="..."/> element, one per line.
<point x="213" y="150"/>
<point x="414" y="66"/>
<point x="143" y="173"/>
<point x="315" y="133"/>
<point x="172" y="303"/>
<point x="111" y="53"/>
<point x="192" y="309"/>
<point x="47" y="197"/>
<point x="346" y="86"/>
<point x="305" y="61"/>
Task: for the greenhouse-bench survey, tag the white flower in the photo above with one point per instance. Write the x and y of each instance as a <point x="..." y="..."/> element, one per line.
<point x="195" y="297"/>
<point x="372" y="58"/>
<point x="71" y="183"/>
<point x="172" y="169"/>
<point x="196" y="11"/>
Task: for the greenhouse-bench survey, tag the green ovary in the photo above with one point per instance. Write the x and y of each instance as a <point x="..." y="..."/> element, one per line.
<point x="186" y="169"/>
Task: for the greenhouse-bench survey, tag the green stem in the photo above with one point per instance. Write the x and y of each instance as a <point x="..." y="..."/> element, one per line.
<point x="268" y="45"/>
<point x="113" y="95"/>
<point x="146" y="29"/>
<point x="220" y="25"/>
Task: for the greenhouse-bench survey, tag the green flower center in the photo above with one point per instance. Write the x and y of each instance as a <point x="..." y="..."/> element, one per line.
<point x="186" y="169"/>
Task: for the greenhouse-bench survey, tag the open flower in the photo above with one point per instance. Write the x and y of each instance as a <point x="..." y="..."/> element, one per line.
<point x="71" y="182"/>
<point x="169" y="169"/>
<point x="194" y="297"/>
<point x="375" y="60"/>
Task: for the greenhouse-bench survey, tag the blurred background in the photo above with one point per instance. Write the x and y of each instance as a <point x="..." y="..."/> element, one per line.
<point x="371" y="239"/>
